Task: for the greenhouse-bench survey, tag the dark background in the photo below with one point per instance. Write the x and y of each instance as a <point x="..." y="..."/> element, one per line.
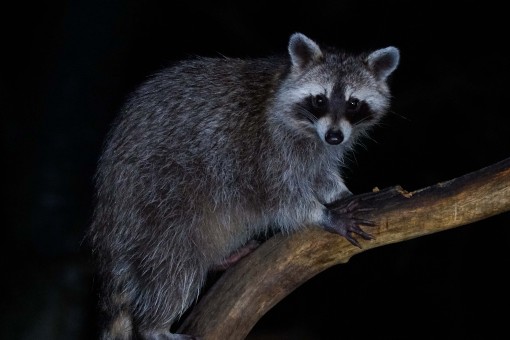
<point x="68" y="66"/>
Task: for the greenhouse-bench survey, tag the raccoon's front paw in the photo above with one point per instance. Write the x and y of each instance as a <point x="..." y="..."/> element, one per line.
<point x="342" y="220"/>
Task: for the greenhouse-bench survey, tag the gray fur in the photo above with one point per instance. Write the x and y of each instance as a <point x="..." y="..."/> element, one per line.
<point x="209" y="153"/>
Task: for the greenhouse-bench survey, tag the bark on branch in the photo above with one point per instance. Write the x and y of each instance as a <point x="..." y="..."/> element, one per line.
<point x="245" y="292"/>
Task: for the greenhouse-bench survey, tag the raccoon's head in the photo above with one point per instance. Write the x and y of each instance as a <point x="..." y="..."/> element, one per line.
<point x="333" y="95"/>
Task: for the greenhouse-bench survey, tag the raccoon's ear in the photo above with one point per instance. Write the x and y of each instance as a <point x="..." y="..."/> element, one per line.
<point x="303" y="50"/>
<point x="383" y="62"/>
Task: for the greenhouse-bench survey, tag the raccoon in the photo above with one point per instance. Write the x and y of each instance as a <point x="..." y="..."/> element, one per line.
<point x="210" y="152"/>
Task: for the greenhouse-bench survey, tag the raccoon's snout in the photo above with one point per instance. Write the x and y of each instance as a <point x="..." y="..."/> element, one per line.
<point x="334" y="137"/>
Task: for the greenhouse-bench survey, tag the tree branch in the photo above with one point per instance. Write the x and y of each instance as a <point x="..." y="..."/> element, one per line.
<point x="245" y="292"/>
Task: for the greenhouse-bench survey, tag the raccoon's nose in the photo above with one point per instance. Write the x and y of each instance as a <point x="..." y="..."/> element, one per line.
<point x="334" y="137"/>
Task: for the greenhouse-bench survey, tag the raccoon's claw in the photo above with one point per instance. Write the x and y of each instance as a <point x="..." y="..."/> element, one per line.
<point x="342" y="221"/>
<point x="347" y="227"/>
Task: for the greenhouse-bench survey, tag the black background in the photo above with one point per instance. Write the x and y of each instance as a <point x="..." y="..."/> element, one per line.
<point x="68" y="66"/>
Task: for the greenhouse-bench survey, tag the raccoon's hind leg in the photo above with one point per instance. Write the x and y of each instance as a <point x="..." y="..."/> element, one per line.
<point x="164" y="305"/>
<point x="236" y="256"/>
<point x="170" y="283"/>
<point x="166" y="335"/>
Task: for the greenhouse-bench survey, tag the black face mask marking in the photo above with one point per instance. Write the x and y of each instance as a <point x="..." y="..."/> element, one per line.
<point x="358" y="111"/>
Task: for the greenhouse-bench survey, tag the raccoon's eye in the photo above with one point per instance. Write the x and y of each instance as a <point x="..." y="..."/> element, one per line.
<point x="352" y="104"/>
<point x="319" y="101"/>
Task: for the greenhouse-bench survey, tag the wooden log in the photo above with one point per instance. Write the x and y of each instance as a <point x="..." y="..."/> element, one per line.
<point x="245" y="292"/>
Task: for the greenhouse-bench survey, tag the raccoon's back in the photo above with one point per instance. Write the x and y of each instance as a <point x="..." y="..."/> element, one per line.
<point x="192" y="133"/>
<point x="195" y="106"/>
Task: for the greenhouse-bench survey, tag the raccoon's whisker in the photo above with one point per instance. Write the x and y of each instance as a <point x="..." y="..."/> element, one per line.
<point x="399" y="115"/>
<point x="361" y="121"/>
<point x="352" y="157"/>
<point x="372" y="139"/>
<point x="307" y="114"/>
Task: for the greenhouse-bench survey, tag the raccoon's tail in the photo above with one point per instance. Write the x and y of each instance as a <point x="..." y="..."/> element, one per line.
<point x="117" y="293"/>
<point x="119" y="321"/>
<point x="133" y="313"/>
